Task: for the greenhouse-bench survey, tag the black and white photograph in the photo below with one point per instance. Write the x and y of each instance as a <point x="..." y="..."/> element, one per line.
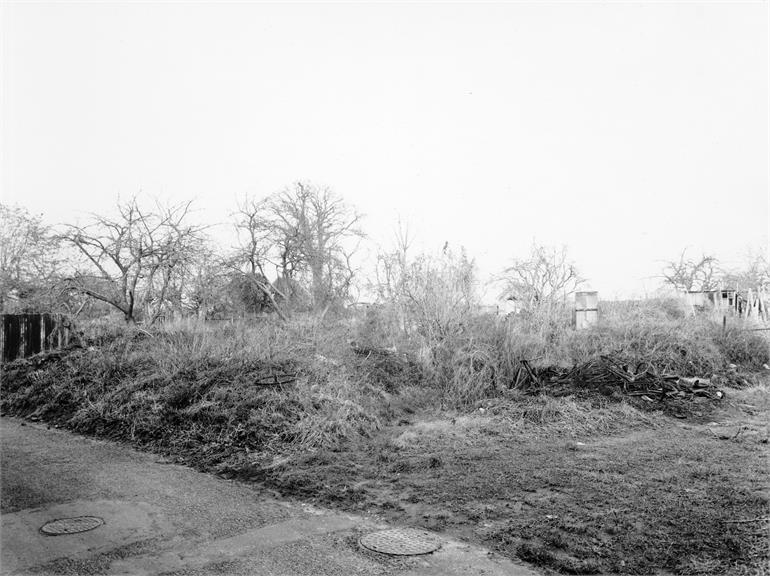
<point x="384" y="288"/>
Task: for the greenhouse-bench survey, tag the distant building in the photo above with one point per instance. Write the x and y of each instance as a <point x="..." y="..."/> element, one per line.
<point x="711" y="298"/>
<point x="500" y="308"/>
<point x="748" y="304"/>
<point x="586" y="309"/>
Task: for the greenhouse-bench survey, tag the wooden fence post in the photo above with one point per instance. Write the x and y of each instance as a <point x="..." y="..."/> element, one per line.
<point x="20" y="348"/>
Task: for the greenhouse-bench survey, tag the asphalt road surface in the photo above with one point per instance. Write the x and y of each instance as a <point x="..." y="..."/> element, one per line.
<point x="162" y="518"/>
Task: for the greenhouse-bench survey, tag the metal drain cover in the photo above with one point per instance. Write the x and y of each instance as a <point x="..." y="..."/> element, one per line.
<point x="402" y="542"/>
<point x="71" y="525"/>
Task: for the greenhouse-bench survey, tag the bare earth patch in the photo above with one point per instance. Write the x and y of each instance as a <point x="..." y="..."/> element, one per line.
<point x="595" y="490"/>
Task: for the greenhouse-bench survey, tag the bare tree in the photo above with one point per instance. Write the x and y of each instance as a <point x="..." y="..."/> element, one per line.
<point x="258" y="241"/>
<point x="689" y="274"/>
<point x="255" y="235"/>
<point x="392" y="272"/>
<point x="546" y="276"/>
<point x="205" y="291"/>
<point x="755" y="275"/>
<point x="29" y="260"/>
<point x="132" y="259"/>
<point x="309" y="234"/>
<point x="317" y="232"/>
<point x="168" y="290"/>
<point x="392" y="266"/>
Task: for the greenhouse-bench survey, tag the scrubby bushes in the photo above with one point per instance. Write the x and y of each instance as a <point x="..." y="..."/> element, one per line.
<point x="481" y="355"/>
<point x="684" y="347"/>
<point x="662" y="334"/>
<point x="747" y="349"/>
<point x="195" y="388"/>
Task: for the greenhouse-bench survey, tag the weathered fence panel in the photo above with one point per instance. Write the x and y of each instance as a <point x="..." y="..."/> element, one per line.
<point x="11" y="336"/>
<point x="586" y="309"/>
<point x="25" y="335"/>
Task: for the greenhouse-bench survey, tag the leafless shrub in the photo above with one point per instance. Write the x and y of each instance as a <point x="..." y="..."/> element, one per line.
<point x="755" y="275"/>
<point x="689" y="274"/>
<point x="30" y="262"/>
<point x="545" y="277"/>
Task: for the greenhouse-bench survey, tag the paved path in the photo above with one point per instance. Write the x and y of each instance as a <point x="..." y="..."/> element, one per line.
<point x="161" y="518"/>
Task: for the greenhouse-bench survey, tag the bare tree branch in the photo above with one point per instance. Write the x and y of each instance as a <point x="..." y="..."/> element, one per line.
<point x="308" y="233"/>
<point x="546" y="276"/>
<point x="136" y="255"/>
<point x="686" y="274"/>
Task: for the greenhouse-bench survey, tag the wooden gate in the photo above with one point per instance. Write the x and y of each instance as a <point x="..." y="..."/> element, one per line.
<point x="24" y="335"/>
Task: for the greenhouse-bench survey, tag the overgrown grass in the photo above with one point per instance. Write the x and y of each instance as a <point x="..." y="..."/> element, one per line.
<point x="199" y="381"/>
<point x="193" y="391"/>
<point x="662" y="333"/>
<point x="481" y="355"/>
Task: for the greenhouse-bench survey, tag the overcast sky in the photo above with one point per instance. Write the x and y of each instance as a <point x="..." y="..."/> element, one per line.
<point x="627" y="131"/>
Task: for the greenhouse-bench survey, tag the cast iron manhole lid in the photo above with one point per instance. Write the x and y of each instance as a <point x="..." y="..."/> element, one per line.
<point x="71" y="525"/>
<point x="402" y="542"/>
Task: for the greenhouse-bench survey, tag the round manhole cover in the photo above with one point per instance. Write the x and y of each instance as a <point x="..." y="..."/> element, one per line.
<point x="402" y="542"/>
<point x="71" y="525"/>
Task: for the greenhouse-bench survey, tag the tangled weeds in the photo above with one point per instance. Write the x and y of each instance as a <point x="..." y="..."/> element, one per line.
<point x="211" y="410"/>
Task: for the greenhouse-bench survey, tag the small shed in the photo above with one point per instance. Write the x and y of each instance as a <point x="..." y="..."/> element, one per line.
<point x="713" y="298"/>
<point x="586" y="309"/>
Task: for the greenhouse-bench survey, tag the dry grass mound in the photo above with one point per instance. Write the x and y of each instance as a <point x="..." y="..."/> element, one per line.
<point x="229" y="397"/>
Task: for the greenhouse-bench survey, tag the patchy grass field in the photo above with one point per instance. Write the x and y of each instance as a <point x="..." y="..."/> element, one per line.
<point x="589" y="484"/>
<point x="593" y="491"/>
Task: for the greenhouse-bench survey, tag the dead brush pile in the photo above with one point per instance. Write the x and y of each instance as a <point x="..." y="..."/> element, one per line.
<point x="640" y="350"/>
<point x="642" y="386"/>
<point x="650" y="354"/>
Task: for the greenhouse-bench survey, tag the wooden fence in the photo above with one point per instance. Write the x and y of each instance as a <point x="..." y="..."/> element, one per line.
<point x="24" y="335"/>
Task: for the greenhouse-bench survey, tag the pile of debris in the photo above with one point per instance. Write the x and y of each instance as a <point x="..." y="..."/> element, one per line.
<point x="612" y="377"/>
<point x="389" y="368"/>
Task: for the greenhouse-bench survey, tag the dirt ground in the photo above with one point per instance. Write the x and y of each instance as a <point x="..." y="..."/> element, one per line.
<point x="606" y="491"/>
